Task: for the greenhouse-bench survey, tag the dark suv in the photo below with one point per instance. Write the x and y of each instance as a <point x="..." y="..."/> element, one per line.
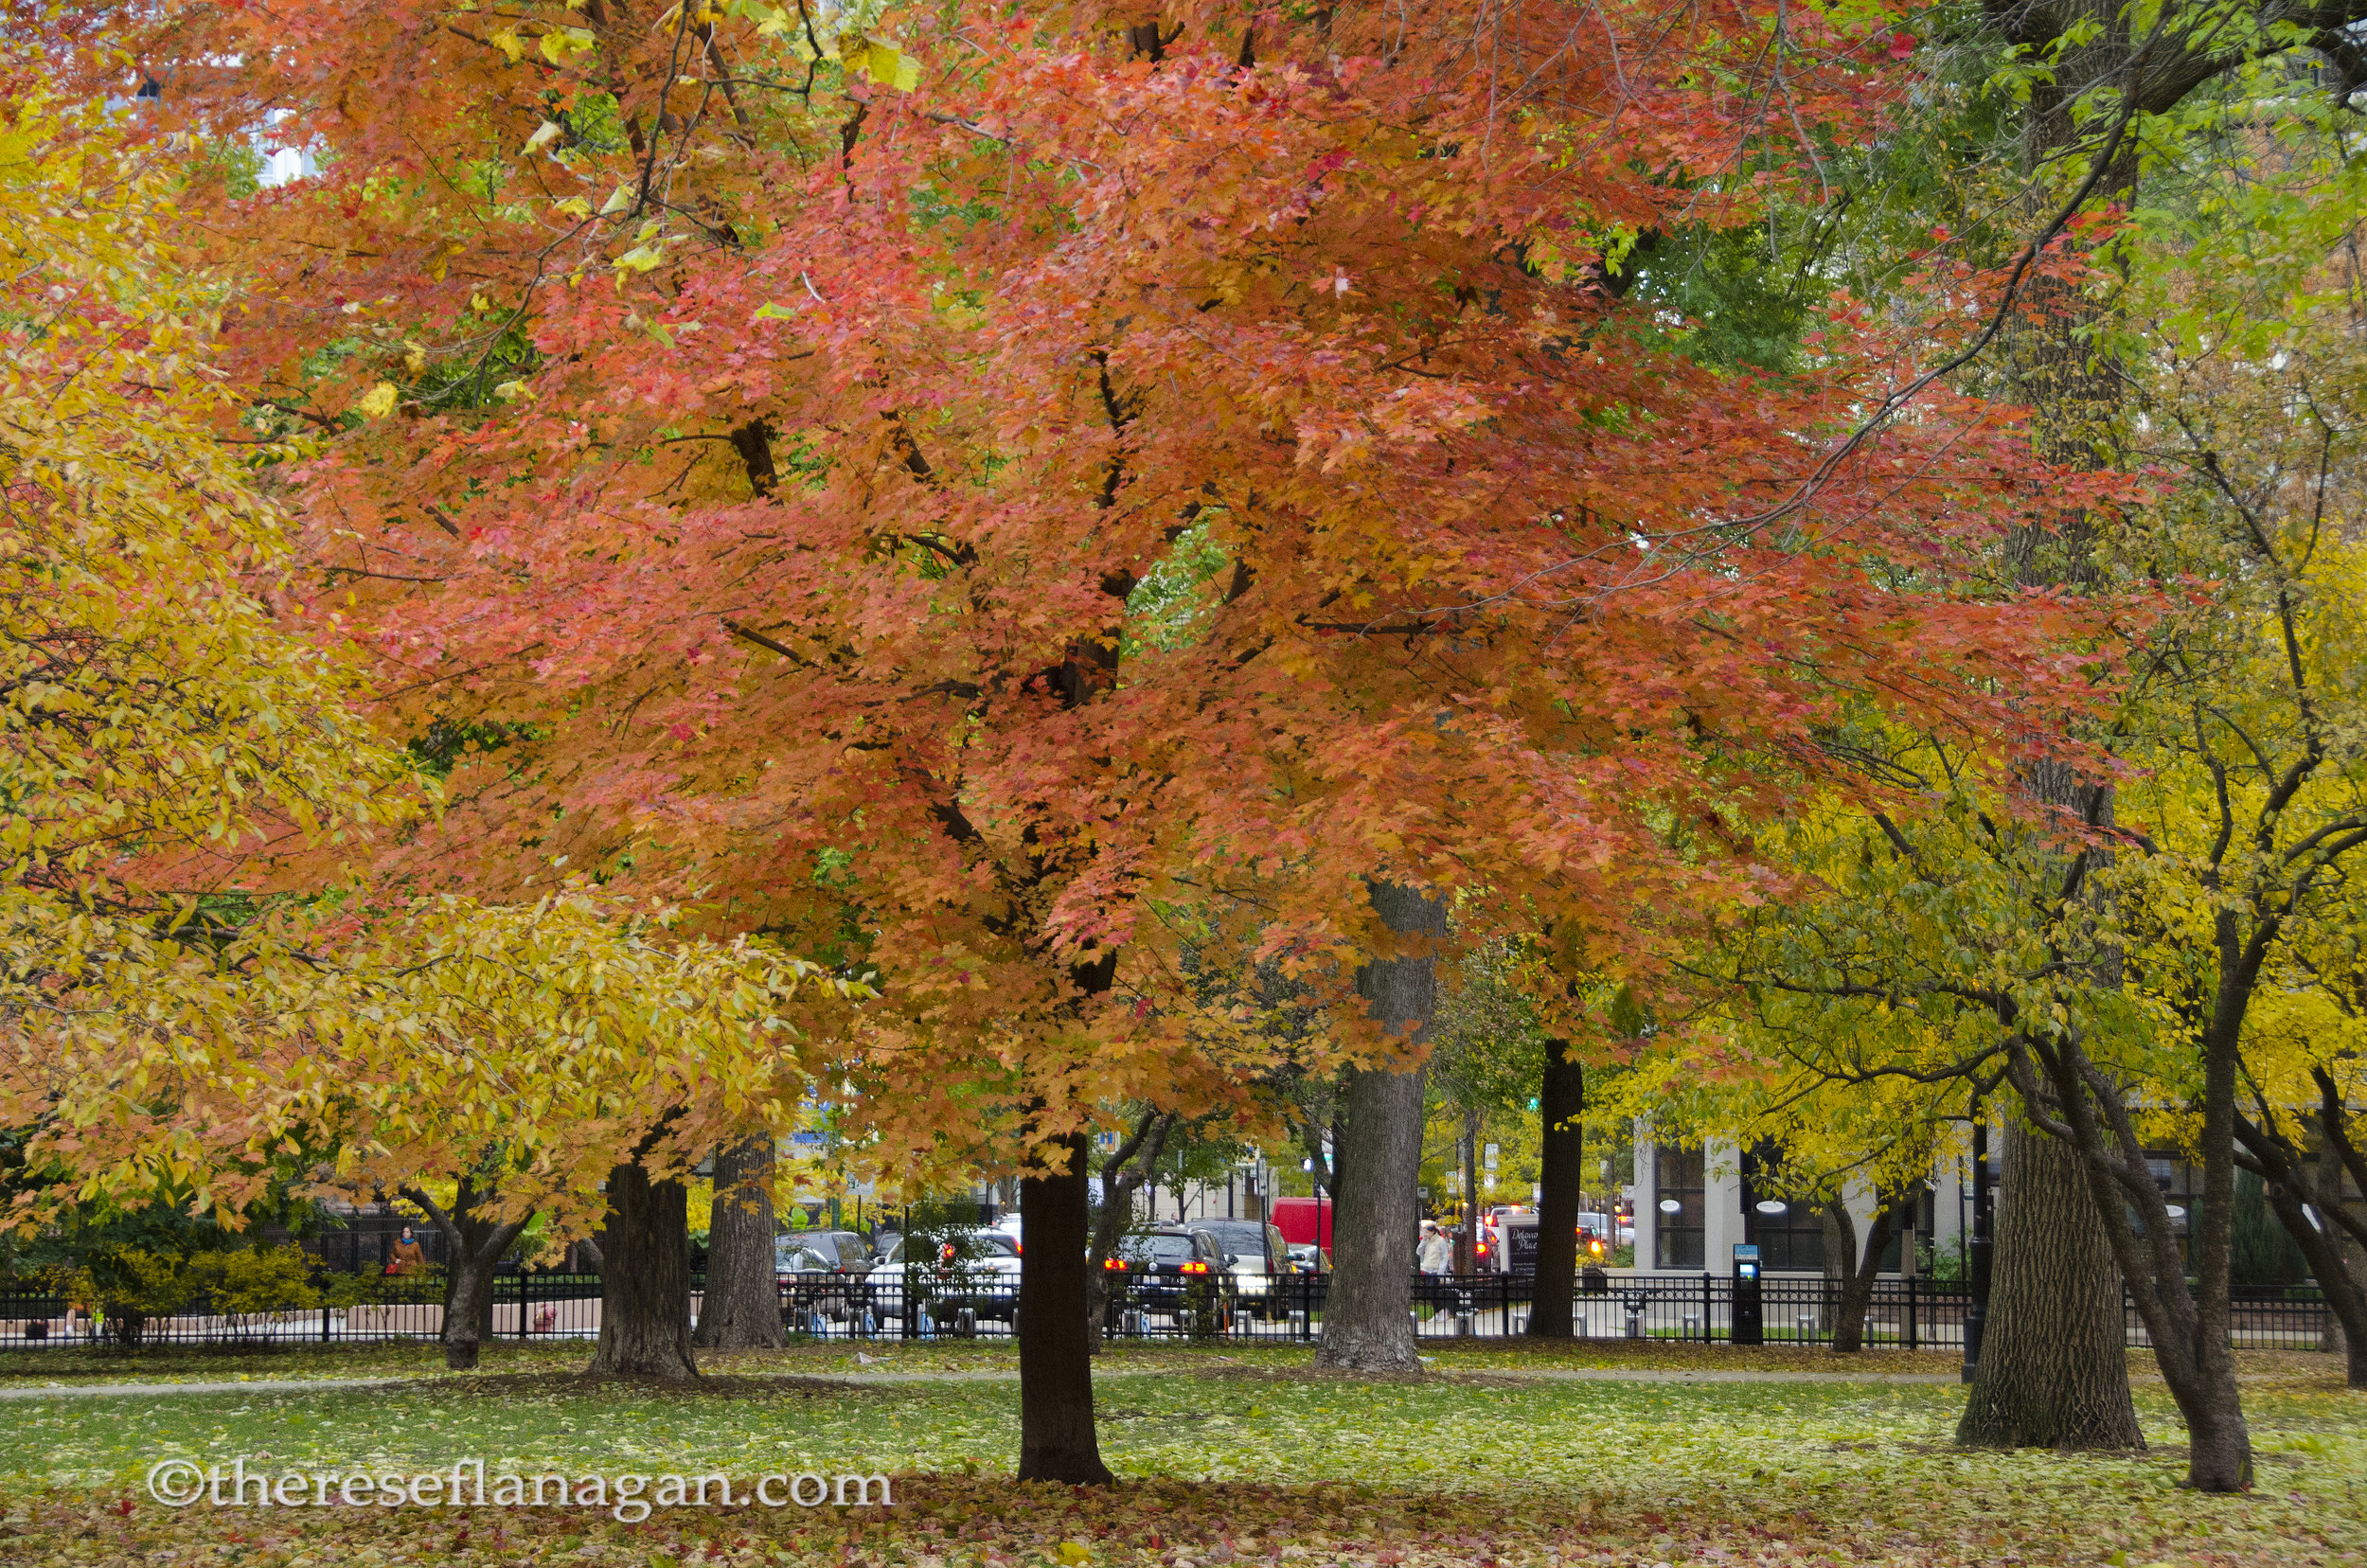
<point x="1259" y="1254"/>
<point x="1172" y="1269"/>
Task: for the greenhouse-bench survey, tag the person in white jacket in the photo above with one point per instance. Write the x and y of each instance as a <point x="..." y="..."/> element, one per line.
<point x="1437" y="1254"/>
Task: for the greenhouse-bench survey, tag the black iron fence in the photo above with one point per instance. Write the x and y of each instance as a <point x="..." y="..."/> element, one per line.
<point x="892" y="1303"/>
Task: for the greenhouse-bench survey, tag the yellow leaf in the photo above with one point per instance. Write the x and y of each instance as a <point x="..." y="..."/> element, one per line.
<point x="377" y="401"/>
<point x="544" y="136"/>
<point x="886" y="64"/>
<point x="510" y="391"/>
<point x="507" y="41"/>
<point x="573" y="206"/>
<point x="1076" y="1552"/>
<point x="560" y="42"/>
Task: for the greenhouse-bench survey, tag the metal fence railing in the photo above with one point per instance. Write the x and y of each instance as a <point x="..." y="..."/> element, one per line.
<point x="890" y="1303"/>
<point x="1911" y="1314"/>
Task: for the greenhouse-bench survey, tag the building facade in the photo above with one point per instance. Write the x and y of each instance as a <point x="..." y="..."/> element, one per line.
<point x="1694" y="1204"/>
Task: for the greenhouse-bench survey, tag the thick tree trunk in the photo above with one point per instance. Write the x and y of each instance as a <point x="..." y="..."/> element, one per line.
<point x="2054" y="1368"/>
<point x="1368" y="1312"/>
<point x="1860" y="1272"/>
<point x="1368" y="1323"/>
<point x="1057" y="1440"/>
<point x="2079" y="1104"/>
<point x="1560" y="1104"/>
<point x="645" y="1279"/>
<point x="743" y="1307"/>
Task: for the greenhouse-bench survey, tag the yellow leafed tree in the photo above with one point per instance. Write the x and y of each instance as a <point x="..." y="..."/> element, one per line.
<point x="195" y="986"/>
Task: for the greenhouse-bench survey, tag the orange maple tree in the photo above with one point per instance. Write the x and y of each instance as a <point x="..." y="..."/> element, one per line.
<point x="758" y="432"/>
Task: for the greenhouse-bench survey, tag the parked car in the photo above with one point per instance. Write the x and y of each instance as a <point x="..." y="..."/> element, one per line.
<point x="811" y="1265"/>
<point x="1308" y="1259"/>
<point x="1598" y="1236"/>
<point x="973" y="1269"/>
<point x="1255" y="1252"/>
<point x="1172" y="1269"/>
<point x="843" y="1250"/>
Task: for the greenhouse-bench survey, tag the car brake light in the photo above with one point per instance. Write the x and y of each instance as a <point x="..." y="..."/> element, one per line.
<point x="1116" y="1263"/>
<point x="1195" y="1268"/>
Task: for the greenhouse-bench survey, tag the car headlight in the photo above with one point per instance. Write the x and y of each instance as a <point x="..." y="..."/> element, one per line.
<point x="1251" y="1284"/>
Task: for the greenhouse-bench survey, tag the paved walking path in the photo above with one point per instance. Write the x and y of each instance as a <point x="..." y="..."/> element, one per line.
<point x="1616" y="1374"/>
<point x="253" y="1385"/>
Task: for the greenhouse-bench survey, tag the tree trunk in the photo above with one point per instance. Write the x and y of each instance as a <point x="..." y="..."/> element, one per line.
<point x="2054" y="1368"/>
<point x="2191" y="1330"/>
<point x="476" y="1246"/>
<point x="2331" y="1250"/>
<point x="1121" y="1178"/>
<point x="468" y="1310"/>
<point x="1860" y="1273"/>
<point x="1368" y="1323"/>
<point x="644" y="1281"/>
<point x="1560" y="1104"/>
<point x="742" y="1308"/>
<point x="1057" y="1441"/>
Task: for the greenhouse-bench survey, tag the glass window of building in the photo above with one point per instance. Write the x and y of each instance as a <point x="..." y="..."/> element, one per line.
<point x="1676" y="1228"/>
<point x="1790" y="1236"/>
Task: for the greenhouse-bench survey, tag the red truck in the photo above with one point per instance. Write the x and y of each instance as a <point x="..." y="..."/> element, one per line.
<point x="1304" y="1222"/>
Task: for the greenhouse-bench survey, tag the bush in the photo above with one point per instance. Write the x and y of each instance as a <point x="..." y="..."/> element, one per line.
<point x="2262" y="1253"/>
<point x="1947" y="1267"/>
<point x="258" y="1280"/>
<point x="130" y="1285"/>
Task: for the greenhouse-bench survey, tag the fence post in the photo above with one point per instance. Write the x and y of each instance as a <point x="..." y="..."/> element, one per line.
<point x="1907" y="1328"/>
<point x="324" y="1323"/>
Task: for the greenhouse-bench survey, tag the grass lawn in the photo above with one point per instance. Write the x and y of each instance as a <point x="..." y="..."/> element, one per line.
<point x="1233" y="1454"/>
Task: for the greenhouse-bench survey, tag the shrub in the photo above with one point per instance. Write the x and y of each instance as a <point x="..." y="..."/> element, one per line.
<point x="2262" y="1253"/>
<point x="260" y="1279"/>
